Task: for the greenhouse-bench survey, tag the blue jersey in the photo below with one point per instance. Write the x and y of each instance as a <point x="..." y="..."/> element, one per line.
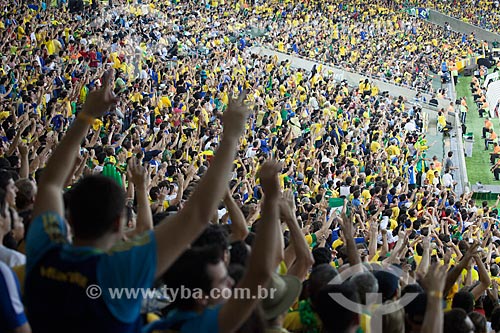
<point x="11" y="308"/>
<point x="412" y="176"/>
<point x="59" y="287"/>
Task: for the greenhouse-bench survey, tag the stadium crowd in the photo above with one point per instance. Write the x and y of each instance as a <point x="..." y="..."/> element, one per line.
<point x="147" y="146"/>
<point x="482" y="13"/>
<point x="370" y="38"/>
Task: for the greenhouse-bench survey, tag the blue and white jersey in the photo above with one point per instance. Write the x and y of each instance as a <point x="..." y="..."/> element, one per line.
<point x="412" y="175"/>
<point x="11" y="308"/>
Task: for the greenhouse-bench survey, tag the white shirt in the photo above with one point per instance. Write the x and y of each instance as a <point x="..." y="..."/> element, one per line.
<point x="251" y="152"/>
<point x="345" y="190"/>
<point x="98" y="169"/>
<point x="447" y="180"/>
<point x="314" y="103"/>
<point x="11" y="258"/>
<point x="143" y="75"/>
<point x="435" y="181"/>
<point x="208" y="107"/>
<point x="325" y="159"/>
<point x="221" y="213"/>
<point x="207" y="145"/>
<point x="336" y="180"/>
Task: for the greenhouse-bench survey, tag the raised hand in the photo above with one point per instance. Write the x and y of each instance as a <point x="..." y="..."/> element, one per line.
<point x="345" y="222"/>
<point x="99" y="101"/>
<point x="401" y="234"/>
<point x="435" y="280"/>
<point x="136" y="173"/>
<point x="447" y="258"/>
<point x="23" y="149"/>
<point x="191" y="171"/>
<point x="471" y="252"/>
<point x="494" y="285"/>
<point x="287" y="206"/>
<point x="235" y="116"/>
<point x="163" y="194"/>
<point x="269" y="180"/>
<point x="180" y="178"/>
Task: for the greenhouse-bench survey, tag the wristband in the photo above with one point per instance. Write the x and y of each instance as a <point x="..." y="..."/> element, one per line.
<point x="86" y="118"/>
<point x="437" y="294"/>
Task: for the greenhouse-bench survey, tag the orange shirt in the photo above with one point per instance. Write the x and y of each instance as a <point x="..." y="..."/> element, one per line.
<point x="496" y="150"/>
<point x="488" y="124"/>
<point x="493" y="136"/>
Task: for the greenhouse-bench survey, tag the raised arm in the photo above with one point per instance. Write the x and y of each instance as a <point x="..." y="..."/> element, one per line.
<point x="303" y="257"/>
<point x="434" y="285"/>
<point x="177" y="232"/>
<point x="191" y="172"/>
<point x="262" y="261"/>
<point x="138" y="175"/>
<point x="372" y="245"/>
<point x="426" y="256"/>
<point x="81" y="166"/>
<point x="180" y="190"/>
<point x="239" y="230"/>
<point x="25" y="163"/>
<point x="49" y="197"/>
<point x="347" y="229"/>
<point x="454" y="273"/>
<point x="484" y="278"/>
<point x="17" y="138"/>
<point x="93" y="141"/>
<point x="2" y="96"/>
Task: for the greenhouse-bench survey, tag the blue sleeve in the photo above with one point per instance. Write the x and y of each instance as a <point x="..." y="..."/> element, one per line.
<point x="207" y="322"/>
<point x="359" y="240"/>
<point x="335" y="234"/>
<point x="11" y="308"/>
<point x="45" y="232"/>
<point x="130" y="264"/>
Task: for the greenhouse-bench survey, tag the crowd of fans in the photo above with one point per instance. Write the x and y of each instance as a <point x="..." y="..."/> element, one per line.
<point x="147" y="146"/>
<point x="482" y="13"/>
<point x="369" y="38"/>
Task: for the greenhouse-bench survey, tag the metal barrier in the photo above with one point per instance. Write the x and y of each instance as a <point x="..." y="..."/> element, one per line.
<point x="346" y="73"/>
<point x="352" y="78"/>
<point x="457" y="146"/>
<point x="426" y="122"/>
<point x="463" y="27"/>
<point x="463" y="179"/>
